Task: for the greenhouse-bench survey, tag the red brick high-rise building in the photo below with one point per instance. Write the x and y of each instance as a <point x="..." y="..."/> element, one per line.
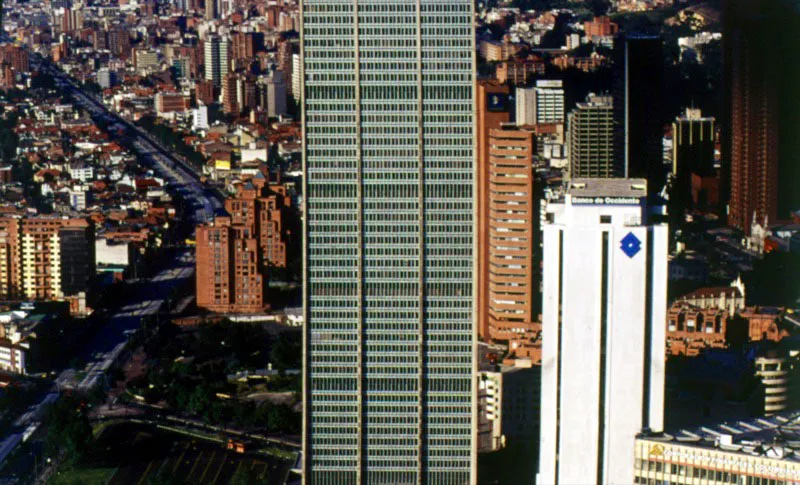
<point x="762" y="142"/>
<point x="600" y="26"/>
<point x="509" y="278"/>
<point x="753" y="136"/>
<point x="204" y="92"/>
<point x="15" y="56"/>
<point x="492" y="111"/>
<point x="228" y="276"/>
<point x="243" y="45"/>
<point x="237" y="253"/>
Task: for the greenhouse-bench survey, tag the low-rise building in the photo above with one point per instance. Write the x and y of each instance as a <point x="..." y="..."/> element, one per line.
<point x="729" y="298"/>
<point x="168" y="104"/>
<point x="763" y="323"/>
<point x="16" y="335"/>
<point x="519" y="72"/>
<point x="691" y="329"/>
<point x="765" y="451"/>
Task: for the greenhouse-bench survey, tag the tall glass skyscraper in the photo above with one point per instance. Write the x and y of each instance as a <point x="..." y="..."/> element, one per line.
<point x="388" y="280"/>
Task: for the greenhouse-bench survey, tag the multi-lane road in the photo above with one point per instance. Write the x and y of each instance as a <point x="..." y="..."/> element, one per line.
<point x="205" y="201"/>
<point x="149" y="298"/>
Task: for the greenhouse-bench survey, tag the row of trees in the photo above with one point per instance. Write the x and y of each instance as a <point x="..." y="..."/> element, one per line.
<point x="189" y="372"/>
<point x="68" y="430"/>
<point x="170" y="139"/>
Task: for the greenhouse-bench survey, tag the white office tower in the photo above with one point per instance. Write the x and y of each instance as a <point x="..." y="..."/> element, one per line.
<point x="388" y="291"/>
<point x="605" y="290"/>
<point x="543" y="103"/>
<point x="216" y="59"/>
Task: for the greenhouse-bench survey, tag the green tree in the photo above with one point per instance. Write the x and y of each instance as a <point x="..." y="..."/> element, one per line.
<point x="287" y="352"/>
<point x="200" y="401"/>
<point x="247" y="476"/>
<point x="68" y="430"/>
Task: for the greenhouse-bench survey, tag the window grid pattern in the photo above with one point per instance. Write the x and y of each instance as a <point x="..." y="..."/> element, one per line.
<point x="389" y="417"/>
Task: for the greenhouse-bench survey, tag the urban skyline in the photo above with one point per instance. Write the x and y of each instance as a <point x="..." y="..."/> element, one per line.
<point x="399" y="241"/>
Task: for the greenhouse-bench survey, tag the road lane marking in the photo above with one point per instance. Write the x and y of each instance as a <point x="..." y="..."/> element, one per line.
<point x="180" y="460"/>
<point x="224" y="460"/>
<point x="207" y="466"/>
<point x="146" y="471"/>
<point x="196" y="461"/>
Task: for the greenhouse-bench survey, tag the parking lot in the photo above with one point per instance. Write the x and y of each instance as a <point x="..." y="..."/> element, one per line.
<point x="143" y="454"/>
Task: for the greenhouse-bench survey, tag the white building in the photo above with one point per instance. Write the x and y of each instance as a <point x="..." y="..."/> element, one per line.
<point x="692" y="45"/>
<point x="106" y="78"/>
<point x="297" y="80"/>
<point x="77" y="198"/>
<point x="200" y="118"/>
<point x="84" y="173"/>
<point x="253" y="155"/>
<point x="763" y="451"/>
<point x="543" y="103"/>
<point x="216" y="58"/>
<point x="112" y="253"/>
<point x="605" y="289"/>
<point x="15" y="336"/>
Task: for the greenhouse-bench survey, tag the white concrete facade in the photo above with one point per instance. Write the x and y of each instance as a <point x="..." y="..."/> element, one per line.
<point x="526" y="106"/>
<point x="605" y="269"/>
<point x="541" y="104"/>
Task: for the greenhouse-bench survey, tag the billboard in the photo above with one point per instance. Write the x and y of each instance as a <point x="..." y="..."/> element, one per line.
<point x="496" y="102"/>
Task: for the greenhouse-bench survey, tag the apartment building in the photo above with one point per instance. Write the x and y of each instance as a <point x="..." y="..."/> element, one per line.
<point x="45" y="258"/>
<point x="510" y="275"/>
<point x="237" y="253"/>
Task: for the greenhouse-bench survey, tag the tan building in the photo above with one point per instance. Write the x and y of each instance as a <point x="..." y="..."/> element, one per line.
<point x="45" y="258"/>
<point x="511" y="276"/>
<point x="496" y="51"/>
<point x="10" y="267"/>
<point x="759" y="452"/>
<point x="145" y="59"/>
<point x="171" y="103"/>
<point x="516" y="73"/>
<point x="57" y="257"/>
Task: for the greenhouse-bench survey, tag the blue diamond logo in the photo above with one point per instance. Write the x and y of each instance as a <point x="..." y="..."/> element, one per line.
<point x="631" y="245"/>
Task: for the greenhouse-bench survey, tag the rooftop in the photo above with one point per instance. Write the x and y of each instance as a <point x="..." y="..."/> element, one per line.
<point x="729" y="291"/>
<point x="582" y="187"/>
<point x="773" y="437"/>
